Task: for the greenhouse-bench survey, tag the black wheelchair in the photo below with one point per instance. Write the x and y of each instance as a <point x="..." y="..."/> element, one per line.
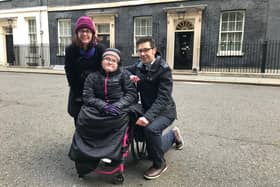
<point x="138" y="144"/>
<point x="138" y="150"/>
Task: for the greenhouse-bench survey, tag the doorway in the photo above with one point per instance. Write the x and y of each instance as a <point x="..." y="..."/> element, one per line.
<point x="183" y="50"/>
<point x="10" y="49"/>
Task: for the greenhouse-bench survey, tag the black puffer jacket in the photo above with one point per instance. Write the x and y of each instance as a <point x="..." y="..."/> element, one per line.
<point x="155" y="89"/>
<point x="114" y="88"/>
<point x="77" y="67"/>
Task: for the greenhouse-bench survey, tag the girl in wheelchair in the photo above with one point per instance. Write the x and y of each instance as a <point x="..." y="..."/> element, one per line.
<point x="102" y="124"/>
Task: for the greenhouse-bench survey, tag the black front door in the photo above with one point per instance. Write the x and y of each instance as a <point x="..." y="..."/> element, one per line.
<point x="183" y="52"/>
<point x="10" y="49"/>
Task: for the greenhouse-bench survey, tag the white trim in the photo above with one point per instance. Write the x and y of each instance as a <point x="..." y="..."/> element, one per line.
<point x="22" y="10"/>
<point x="230" y="53"/>
<point x="236" y="52"/>
<point x="190" y="14"/>
<point x="110" y="5"/>
<point x="179" y="8"/>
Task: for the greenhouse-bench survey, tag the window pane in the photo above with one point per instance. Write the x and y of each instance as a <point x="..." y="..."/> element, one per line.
<point x="230" y="46"/>
<point x="32" y="26"/>
<point x="223" y="46"/>
<point x="225" y="26"/>
<point x="103" y="28"/>
<point x="142" y="32"/>
<point x="232" y="16"/>
<point x="225" y="17"/>
<point x="64" y="35"/>
<point x="231" y="26"/>
<point x="32" y="33"/>
<point x="142" y="27"/>
<point x="239" y="26"/>
<point x="231" y="37"/>
<point x="231" y="32"/>
<point x="138" y="29"/>
<point x="224" y="37"/>
<point x="238" y="37"/>
<point x="239" y="16"/>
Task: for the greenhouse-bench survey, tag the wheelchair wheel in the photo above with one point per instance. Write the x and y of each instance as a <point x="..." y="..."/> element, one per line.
<point x="118" y="178"/>
<point x="139" y="150"/>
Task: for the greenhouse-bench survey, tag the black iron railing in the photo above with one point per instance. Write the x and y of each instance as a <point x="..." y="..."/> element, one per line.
<point x="255" y="57"/>
<point x="31" y="55"/>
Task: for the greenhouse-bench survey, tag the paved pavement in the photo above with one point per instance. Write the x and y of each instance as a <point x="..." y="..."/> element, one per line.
<point x="232" y="78"/>
<point x="231" y="133"/>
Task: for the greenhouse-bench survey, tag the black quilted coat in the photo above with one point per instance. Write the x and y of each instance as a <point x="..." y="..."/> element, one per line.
<point x="77" y="67"/>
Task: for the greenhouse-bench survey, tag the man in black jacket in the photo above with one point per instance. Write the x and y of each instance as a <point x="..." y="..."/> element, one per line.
<point x="154" y="83"/>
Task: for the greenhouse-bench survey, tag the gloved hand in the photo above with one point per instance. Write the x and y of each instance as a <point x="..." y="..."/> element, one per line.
<point x="112" y="110"/>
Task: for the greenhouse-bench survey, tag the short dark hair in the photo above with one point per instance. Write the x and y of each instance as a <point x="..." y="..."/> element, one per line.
<point x="146" y="39"/>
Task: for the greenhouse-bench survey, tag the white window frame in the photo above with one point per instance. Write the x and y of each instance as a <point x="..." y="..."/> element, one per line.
<point x="99" y="33"/>
<point x="32" y="35"/>
<point x="144" y="29"/>
<point x="234" y="32"/>
<point x="64" y="37"/>
<point x="106" y="18"/>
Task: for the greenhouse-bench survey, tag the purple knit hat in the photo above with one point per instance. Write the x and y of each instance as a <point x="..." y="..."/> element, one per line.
<point x="85" y="22"/>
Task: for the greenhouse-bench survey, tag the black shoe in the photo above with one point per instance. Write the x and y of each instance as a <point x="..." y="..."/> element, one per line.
<point x="153" y="172"/>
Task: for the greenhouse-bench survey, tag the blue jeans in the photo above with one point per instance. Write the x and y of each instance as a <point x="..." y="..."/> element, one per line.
<point x="158" y="144"/>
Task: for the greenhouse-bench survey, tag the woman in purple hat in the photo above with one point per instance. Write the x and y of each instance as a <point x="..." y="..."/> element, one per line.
<point x="83" y="56"/>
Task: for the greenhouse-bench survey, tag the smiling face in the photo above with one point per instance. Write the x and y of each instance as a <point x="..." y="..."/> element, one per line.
<point x="85" y="36"/>
<point x="110" y="63"/>
<point x="146" y="52"/>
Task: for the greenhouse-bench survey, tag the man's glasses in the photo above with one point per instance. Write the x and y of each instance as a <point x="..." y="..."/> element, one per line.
<point x="144" y="50"/>
<point x="113" y="61"/>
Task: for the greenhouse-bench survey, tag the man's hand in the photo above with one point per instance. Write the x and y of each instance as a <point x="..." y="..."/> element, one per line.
<point x="134" y="78"/>
<point x="142" y="121"/>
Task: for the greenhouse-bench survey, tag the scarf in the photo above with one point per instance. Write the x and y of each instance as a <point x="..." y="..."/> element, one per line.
<point x="88" y="53"/>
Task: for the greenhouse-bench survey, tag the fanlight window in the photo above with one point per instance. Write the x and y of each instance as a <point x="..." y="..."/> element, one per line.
<point x="185" y="25"/>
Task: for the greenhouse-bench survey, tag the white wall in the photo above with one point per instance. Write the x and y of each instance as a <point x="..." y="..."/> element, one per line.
<point x="20" y="27"/>
<point x="3" y="58"/>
